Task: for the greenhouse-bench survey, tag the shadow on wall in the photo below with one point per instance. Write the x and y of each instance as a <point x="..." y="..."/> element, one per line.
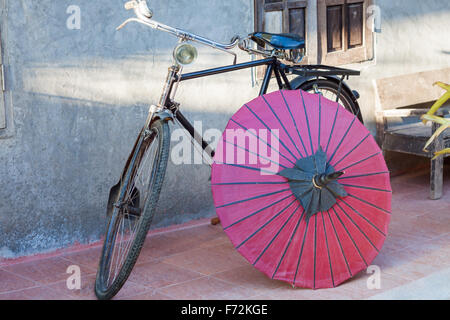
<point x="66" y="155"/>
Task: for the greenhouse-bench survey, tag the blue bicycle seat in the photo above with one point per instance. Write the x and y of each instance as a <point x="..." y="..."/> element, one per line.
<point x="283" y="41"/>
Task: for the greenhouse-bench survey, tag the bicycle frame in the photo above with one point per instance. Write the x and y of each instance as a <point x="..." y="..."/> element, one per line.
<point x="274" y="66"/>
<point x="174" y="77"/>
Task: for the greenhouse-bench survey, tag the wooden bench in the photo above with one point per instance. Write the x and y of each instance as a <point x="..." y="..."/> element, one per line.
<point x="406" y="98"/>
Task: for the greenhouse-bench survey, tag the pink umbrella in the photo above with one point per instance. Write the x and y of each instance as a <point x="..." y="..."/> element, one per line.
<point x="301" y="189"/>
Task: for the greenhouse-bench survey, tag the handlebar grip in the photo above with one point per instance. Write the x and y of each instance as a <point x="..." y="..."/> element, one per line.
<point x="131" y="5"/>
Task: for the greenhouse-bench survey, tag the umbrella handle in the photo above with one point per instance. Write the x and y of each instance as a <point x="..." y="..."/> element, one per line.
<point x="323" y="179"/>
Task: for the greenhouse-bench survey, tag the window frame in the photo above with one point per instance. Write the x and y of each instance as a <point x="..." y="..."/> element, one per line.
<point x="345" y="55"/>
<point x="316" y="32"/>
<point x="260" y="7"/>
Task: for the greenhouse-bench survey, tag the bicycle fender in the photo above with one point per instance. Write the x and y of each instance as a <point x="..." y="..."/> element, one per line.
<point x="297" y="82"/>
<point x="114" y="191"/>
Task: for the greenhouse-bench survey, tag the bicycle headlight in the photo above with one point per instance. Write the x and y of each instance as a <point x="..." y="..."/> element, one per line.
<point x="185" y="54"/>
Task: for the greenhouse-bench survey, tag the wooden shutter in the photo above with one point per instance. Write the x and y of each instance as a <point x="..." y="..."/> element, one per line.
<point x="342" y="31"/>
<point x="281" y="16"/>
<point x="2" y="90"/>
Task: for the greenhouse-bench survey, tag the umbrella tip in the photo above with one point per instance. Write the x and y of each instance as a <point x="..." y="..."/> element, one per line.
<point x="325" y="179"/>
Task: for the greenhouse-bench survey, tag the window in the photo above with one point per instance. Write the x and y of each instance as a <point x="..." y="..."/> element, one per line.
<point x="342" y="32"/>
<point x="281" y="16"/>
<point x="335" y="31"/>
<point x="2" y="90"/>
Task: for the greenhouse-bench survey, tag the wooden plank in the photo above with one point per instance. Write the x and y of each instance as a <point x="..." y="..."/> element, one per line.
<point x="297" y="21"/>
<point x="437" y="168"/>
<point x="355" y="21"/>
<point x="402" y="113"/>
<point x="334" y="28"/>
<point x="347" y="54"/>
<point x="411" y="89"/>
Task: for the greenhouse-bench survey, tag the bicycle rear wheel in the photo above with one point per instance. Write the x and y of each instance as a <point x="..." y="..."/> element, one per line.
<point x="330" y="90"/>
<point x="133" y="210"/>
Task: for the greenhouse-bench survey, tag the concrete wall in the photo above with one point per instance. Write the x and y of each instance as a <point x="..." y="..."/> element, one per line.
<point x="76" y="100"/>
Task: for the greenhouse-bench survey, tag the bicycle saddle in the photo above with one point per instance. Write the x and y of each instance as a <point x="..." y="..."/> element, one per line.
<point x="283" y="41"/>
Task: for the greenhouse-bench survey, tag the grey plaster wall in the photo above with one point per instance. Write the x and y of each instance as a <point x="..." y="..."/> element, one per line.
<point x="78" y="99"/>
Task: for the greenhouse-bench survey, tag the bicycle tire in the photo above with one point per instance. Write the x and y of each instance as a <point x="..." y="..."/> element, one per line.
<point x="345" y="99"/>
<point x="103" y="290"/>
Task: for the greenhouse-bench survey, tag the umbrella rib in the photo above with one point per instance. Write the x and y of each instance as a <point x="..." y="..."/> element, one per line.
<point x="340" y="244"/>
<point x="289" y="243"/>
<point x="253" y="198"/>
<point x="364" y="175"/>
<point x="328" y="249"/>
<point x="247" y="167"/>
<point x="282" y="125"/>
<point x="367" y="188"/>
<point x="370" y="204"/>
<point x="342" y="140"/>
<point x="354" y="148"/>
<point x="256" y="212"/>
<point x="332" y="128"/>
<point x="307" y="122"/>
<point x="246" y="183"/>
<point x="281" y="141"/>
<point x="320" y="120"/>
<point x="360" y="161"/>
<point x="315" y="249"/>
<point x="368" y="221"/>
<point x="356" y="225"/>
<point x="265" y="224"/>
<point x="276" y="235"/>
<point x="350" y="236"/>
<point x="270" y="146"/>
<point x="235" y="145"/>
<point x="301" y="250"/>
<point x="295" y="123"/>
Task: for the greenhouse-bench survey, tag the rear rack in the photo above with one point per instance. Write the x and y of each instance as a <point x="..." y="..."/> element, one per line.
<point x="318" y="70"/>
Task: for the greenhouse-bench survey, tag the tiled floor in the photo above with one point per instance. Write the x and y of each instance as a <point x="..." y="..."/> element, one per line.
<point x="200" y="262"/>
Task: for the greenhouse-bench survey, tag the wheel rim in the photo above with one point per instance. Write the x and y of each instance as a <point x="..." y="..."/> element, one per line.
<point x="331" y="94"/>
<point x="128" y="212"/>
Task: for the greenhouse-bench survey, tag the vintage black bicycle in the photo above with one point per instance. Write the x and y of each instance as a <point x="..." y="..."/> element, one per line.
<point x="132" y="201"/>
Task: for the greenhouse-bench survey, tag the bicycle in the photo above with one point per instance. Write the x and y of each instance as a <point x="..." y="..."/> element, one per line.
<point x="132" y="201"/>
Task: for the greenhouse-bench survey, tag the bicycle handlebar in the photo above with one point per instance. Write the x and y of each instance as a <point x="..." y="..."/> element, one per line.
<point x="144" y="16"/>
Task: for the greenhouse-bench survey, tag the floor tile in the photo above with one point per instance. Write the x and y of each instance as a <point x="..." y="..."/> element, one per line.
<point x="152" y="295"/>
<point x="207" y="288"/>
<point x="10" y="282"/>
<point x="251" y="278"/>
<point x="37" y="293"/>
<point x="88" y="285"/>
<point x="88" y="258"/>
<point x="209" y="260"/>
<point x="158" y="274"/>
<point x="46" y="271"/>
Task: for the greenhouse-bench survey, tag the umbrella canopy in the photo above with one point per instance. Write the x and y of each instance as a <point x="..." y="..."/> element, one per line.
<point x="301" y="189"/>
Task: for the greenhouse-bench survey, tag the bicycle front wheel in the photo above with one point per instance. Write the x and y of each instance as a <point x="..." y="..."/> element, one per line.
<point x="133" y="210"/>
